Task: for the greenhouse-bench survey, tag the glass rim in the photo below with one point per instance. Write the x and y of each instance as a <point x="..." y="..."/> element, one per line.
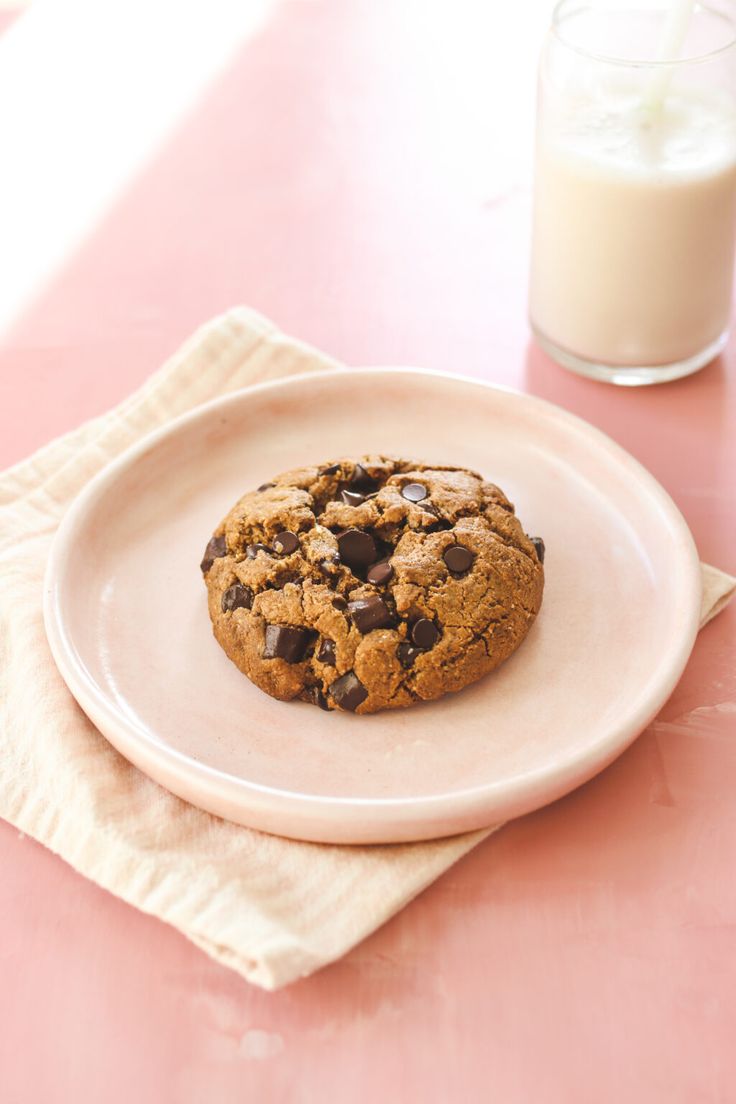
<point x="565" y="8"/>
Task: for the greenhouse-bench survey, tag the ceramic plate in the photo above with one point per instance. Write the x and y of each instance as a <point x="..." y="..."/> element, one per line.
<point x="127" y="619"/>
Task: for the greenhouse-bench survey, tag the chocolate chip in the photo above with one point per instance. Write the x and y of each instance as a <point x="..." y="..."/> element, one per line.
<point x="332" y="470"/>
<point x="370" y="613"/>
<point x="285" y="542"/>
<point x="407" y="653"/>
<point x="362" y="481"/>
<point x="458" y="558"/>
<point x="357" y="549"/>
<point x="414" y="492"/>
<point x="285" y="642"/>
<point x="425" y="633"/>
<point x="348" y="691"/>
<point x="326" y="653"/>
<point x="339" y="602"/>
<point x="538" y="548"/>
<point x="214" y="550"/>
<point x="265" y="486"/>
<point x="252" y="550"/>
<point x="352" y="498"/>
<point x="236" y="597"/>
<point x="380" y="573"/>
<point x="318" y="698"/>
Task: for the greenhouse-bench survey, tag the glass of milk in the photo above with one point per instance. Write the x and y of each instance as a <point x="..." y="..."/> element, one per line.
<point x="635" y="188"/>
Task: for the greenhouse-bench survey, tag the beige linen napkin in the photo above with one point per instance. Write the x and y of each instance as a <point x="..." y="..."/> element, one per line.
<point x="270" y="908"/>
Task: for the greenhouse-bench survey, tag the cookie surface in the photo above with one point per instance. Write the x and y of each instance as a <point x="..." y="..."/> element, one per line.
<point x="371" y="584"/>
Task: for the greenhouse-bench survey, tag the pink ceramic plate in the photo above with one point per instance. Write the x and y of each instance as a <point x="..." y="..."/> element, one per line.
<point x="127" y="619"/>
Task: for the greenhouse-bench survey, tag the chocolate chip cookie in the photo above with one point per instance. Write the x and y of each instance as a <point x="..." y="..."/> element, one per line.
<point x="371" y="584"/>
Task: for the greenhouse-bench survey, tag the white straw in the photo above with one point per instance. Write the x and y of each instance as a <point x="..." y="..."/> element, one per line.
<point x="674" y="34"/>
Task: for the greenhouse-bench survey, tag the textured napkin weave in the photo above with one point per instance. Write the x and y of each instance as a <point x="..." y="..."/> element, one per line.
<point x="270" y="908"/>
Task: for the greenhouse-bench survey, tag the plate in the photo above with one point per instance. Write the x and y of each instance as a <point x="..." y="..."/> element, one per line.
<point x="127" y="620"/>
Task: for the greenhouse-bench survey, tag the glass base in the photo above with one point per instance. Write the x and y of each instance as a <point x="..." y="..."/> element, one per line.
<point x="637" y="375"/>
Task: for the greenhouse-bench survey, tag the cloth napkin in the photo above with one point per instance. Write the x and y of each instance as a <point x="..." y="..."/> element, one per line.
<point x="270" y="908"/>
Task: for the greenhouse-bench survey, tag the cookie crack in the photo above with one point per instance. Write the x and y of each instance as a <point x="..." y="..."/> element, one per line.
<point x="406" y="684"/>
<point x="481" y="633"/>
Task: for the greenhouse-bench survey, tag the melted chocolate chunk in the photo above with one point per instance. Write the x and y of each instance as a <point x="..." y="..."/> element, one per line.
<point x="380" y="573"/>
<point x="216" y="548"/>
<point x="236" y="597"/>
<point x="425" y="633"/>
<point x="265" y="486"/>
<point x="407" y="653"/>
<point x="370" y="613"/>
<point x="332" y="470"/>
<point x="285" y="542"/>
<point x="318" y="698"/>
<point x="362" y="481"/>
<point x="357" y="549"/>
<point x="414" y="492"/>
<point x="458" y="558"/>
<point x="352" y="498"/>
<point x="348" y="691"/>
<point x="286" y="642"/>
<point x="326" y="653"/>
<point x="339" y="602"/>
<point x="538" y="548"/>
<point x="252" y="550"/>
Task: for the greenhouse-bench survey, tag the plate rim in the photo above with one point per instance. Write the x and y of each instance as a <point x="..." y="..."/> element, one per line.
<point x="415" y="808"/>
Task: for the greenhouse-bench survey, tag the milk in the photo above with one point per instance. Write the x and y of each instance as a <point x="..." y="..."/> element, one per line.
<point x="634" y="225"/>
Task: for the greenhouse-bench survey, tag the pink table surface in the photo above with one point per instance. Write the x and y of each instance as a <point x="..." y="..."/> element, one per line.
<point x="359" y="171"/>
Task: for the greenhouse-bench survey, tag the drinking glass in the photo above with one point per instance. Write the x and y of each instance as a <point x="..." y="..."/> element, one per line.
<point x="635" y="188"/>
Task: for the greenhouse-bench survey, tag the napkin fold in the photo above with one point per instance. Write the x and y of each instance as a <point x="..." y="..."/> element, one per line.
<point x="272" y="909"/>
